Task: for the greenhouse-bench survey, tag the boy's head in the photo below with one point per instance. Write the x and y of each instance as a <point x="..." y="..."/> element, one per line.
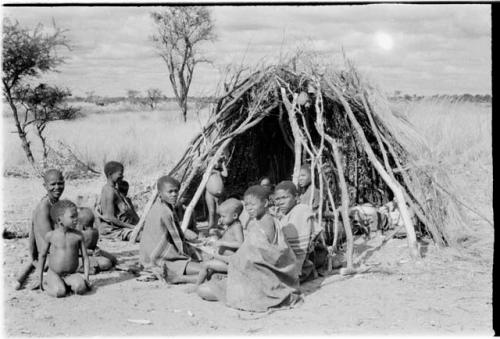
<point x="266" y="182"/>
<point x="85" y="218"/>
<point x="53" y="181"/>
<point x="256" y="201"/>
<point x="285" y="196"/>
<point x="229" y="211"/>
<point x="304" y="176"/>
<point x="64" y="213"/>
<point x="114" y="171"/>
<point x="123" y="187"/>
<point x="168" y="189"/>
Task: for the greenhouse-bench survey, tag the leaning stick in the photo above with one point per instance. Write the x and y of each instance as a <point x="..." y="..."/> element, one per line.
<point x="297" y="146"/>
<point x="201" y="187"/>
<point x="335" y="215"/>
<point x="394" y="186"/>
<point x="140" y="224"/>
<point x="345" y="203"/>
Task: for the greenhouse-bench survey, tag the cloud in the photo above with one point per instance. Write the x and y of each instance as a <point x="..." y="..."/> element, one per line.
<point x="437" y="48"/>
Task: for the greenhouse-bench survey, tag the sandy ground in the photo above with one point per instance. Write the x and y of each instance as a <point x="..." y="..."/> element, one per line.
<point x="444" y="293"/>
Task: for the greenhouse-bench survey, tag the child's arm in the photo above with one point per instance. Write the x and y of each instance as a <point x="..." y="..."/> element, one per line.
<point x="224" y="169"/>
<point x="235" y="244"/>
<point x="43" y="255"/>
<point x="268" y="227"/>
<point x="224" y="258"/>
<point x="108" y="210"/>
<point x="85" y="258"/>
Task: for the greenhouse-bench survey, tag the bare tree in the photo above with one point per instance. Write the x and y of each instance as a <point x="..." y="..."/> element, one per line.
<point x="132" y="95"/>
<point x="27" y="54"/>
<point x="153" y="96"/>
<point x="180" y="31"/>
<point x="42" y="105"/>
<point x="90" y="96"/>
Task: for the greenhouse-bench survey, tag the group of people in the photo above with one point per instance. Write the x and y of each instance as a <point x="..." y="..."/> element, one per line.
<point x="261" y="244"/>
<point x="253" y="256"/>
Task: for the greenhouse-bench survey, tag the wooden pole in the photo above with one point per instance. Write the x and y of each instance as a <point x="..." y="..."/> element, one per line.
<point x="394" y="186"/>
<point x="345" y="203"/>
<point x="201" y="187"/>
<point x="140" y="224"/>
<point x="297" y="145"/>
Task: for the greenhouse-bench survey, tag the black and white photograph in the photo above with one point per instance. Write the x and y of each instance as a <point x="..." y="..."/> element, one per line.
<point x="267" y="169"/>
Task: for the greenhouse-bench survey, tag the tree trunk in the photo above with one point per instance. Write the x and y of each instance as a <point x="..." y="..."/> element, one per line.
<point x="184" y="109"/>
<point x="20" y="131"/>
<point x="39" y="130"/>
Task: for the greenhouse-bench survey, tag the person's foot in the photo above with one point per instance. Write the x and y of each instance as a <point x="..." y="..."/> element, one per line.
<point x="17" y="285"/>
<point x="169" y="276"/>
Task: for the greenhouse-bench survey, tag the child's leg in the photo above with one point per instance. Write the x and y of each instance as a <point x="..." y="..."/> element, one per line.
<point x="54" y="285"/>
<point x="112" y="259"/>
<point x="212" y="207"/>
<point x="25" y="272"/>
<point x="213" y="265"/>
<point x="217" y="266"/>
<point x="76" y="282"/>
<point x="202" y="276"/>
<point x="104" y="263"/>
<point x="189" y="276"/>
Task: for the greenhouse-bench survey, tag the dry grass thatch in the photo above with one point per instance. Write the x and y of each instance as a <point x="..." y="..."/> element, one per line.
<point x="359" y="149"/>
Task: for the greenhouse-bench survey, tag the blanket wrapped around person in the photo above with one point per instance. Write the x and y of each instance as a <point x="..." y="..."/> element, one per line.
<point x="262" y="275"/>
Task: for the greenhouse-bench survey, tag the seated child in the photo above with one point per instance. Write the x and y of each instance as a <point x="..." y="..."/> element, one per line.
<point x="163" y="244"/>
<point x="63" y="245"/>
<point x="125" y="205"/>
<point x="306" y="189"/>
<point x="266" y="183"/>
<point x="99" y="260"/>
<point x="231" y="239"/>
<point x="263" y="272"/>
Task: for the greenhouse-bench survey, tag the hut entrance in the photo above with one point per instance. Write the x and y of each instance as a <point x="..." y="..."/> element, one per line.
<point x="261" y="151"/>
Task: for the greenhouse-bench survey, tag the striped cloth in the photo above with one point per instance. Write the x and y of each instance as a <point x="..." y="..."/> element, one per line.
<point x="299" y="229"/>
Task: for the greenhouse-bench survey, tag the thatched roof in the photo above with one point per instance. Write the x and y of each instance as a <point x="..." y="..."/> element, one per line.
<point x="259" y="119"/>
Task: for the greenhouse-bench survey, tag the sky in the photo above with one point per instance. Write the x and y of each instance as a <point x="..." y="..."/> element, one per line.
<point x="421" y="49"/>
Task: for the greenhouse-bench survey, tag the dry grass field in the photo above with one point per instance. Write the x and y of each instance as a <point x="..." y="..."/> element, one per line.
<point x="445" y="293"/>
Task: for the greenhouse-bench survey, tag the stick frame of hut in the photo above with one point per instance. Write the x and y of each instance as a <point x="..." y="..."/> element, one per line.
<point x="261" y="118"/>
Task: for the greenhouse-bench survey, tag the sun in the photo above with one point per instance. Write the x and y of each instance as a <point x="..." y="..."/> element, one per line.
<point x="384" y="41"/>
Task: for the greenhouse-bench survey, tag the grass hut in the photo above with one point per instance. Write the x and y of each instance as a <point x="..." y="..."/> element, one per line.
<point x="280" y="116"/>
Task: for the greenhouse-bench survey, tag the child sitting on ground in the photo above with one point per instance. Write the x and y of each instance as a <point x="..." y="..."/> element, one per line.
<point x="231" y="239"/>
<point x="125" y="205"/>
<point x="99" y="260"/>
<point x="63" y="245"/>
